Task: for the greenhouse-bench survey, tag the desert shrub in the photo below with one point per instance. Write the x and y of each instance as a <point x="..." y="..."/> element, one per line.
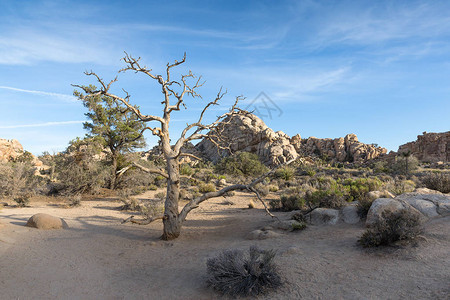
<point x="17" y="180"/>
<point x="404" y="165"/>
<point x="285" y="173"/>
<point x="243" y="163"/>
<point x="160" y="195"/>
<point x="400" y="186"/>
<point x="206" y="187"/>
<point x="185" y="169"/>
<point x="438" y="181"/>
<point x="364" y="204"/>
<point x="79" y="168"/>
<point x="160" y="181"/>
<point x="332" y="198"/>
<point x="263" y="190"/>
<point x="392" y="227"/>
<point x="74" y="201"/>
<point x="381" y="167"/>
<point x="152" y="187"/>
<point x="289" y="200"/>
<point x="22" y="200"/>
<point x="357" y="188"/>
<point x="235" y="273"/>
<point x="273" y="188"/>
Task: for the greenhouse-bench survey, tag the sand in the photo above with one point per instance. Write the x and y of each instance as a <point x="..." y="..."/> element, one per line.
<point x="100" y="258"/>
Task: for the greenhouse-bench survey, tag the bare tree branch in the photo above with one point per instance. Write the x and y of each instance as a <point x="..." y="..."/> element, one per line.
<point x="143" y="221"/>
<point x="147" y="170"/>
<point x="249" y="187"/>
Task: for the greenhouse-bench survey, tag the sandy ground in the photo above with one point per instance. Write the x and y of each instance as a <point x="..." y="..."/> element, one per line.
<point x="100" y="258"/>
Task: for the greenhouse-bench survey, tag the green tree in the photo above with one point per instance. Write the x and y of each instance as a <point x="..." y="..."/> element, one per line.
<point x="116" y="127"/>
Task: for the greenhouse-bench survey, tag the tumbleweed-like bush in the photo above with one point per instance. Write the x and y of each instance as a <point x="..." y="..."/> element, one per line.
<point x="235" y="273"/>
<point x="392" y="227"/>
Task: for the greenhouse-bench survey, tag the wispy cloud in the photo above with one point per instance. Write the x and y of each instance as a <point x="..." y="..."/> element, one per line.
<point x="46" y="124"/>
<point x="64" y="97"/>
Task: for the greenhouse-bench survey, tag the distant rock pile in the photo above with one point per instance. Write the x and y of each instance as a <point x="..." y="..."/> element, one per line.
<point x="10" y="150"/>
<point x="346" y="149"/>
<point x="249" y="133"/>
<point x="429" y="147"/>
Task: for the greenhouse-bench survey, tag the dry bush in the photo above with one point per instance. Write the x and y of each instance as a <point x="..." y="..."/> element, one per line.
<point x="74" y="201"/>
<point x="392" y="227"/>
<point x="285" y="173"/>
<point x="17" y="180"/>
<point x="235" y="273"/>
<point x="206" y="187"/>
<point x="438" y="182"/>
<point x="242" y="163"/>
<point x="399" y="186"/>
<point x="364" y="205"/>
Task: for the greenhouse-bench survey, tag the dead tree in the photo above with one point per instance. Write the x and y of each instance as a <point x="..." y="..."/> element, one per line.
<point x="174" y="93"/>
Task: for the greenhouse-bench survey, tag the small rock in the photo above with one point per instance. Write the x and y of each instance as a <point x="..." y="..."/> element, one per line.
<point x="292" y="250"/>
<point x="45" y="221"/>
<point x="221" y="182"/>
<point x="287" y="225"/>
<point x="324" y="216"/>
<point x="350" y="214"/>
<point x="379" y="194"/>
<point x="262" y="234"/>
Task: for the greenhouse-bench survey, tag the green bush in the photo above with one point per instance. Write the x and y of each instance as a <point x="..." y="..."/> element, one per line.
<point x="186" y="170"/>
<point x="206" y="188"/>
<point x="243" y="163"/>
<point x="438" y="181"/>
<point x="160" y="195"/>
<point x="392" y="227"/>
<point x="285" y="173"/>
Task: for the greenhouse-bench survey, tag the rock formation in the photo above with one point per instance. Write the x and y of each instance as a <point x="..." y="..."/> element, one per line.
<point x="10" y="150"/>
<point x="249" y="133"/>
<point x="346" y="149"/>
<point x="429" y="147"/>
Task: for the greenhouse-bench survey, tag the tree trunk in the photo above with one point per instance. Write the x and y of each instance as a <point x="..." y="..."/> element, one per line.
<point x="172" y="225"/>
<point x="112" y="184"/>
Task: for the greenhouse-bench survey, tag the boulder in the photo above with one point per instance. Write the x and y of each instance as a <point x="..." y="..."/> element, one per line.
<point x="350" y="214"/>
<point x="379" y="194"/>
<point x="323" y="216"/>
<point x="45" y="221"/>
<point x="430" y="205"/>
<point x="262" y="234"/>
<point x="381" y="205"/>
<point x="286" y="225"/>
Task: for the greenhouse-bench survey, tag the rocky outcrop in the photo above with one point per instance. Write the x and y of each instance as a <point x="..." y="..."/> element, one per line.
<point x="10" y="150"/>
<point x="346" y="149"/>
<point x="249" y="133"/>
<point x="429" y="147"/>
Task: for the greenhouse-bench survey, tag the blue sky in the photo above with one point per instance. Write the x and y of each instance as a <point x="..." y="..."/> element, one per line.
<point x="379" y="69"/>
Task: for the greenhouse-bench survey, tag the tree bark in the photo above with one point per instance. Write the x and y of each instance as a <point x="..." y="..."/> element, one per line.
<point x="172" y="224"/>
<point x="112" y="184"/>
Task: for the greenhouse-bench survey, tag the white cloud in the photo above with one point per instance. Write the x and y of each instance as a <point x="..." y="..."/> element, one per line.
<point x="64" y="97"/>
<point x="46" y="124"/>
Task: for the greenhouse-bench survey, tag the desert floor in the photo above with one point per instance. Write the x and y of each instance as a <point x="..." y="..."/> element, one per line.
<point x="100" y="258"/>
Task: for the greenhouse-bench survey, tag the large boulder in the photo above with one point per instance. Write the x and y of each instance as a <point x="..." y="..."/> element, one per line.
<point x="246" y="132"/>
<point x="323" y="216"/>
<point x="45" y="221"/>
<point x="431" y="204"/>
<point x="381" y="205"/>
